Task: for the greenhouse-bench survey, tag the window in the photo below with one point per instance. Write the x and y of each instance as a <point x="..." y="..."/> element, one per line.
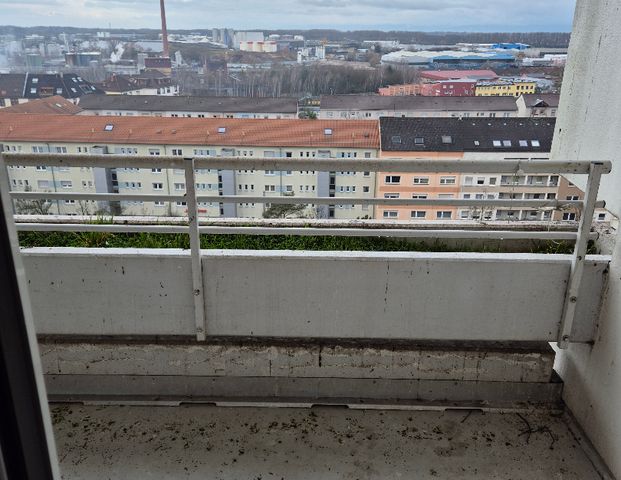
<point x="156" y="170"/>
<point x="158" y="204"/>
<point x="419" y="140"/>
<point x="480" y="180"/>
<point x="40" y="168"/>
<point x="177" y="151"/>
<point x="445" y="195"/>
<point x="365" y="189"/>
<point x="468" y="180"/>
<point x="43" y="184"/>
<point x="158" y="186"/>
<point x="270" y="188"/>
<point x="154" y="151"/>
<point x="523" y="143"/>
<point x="391" y="195"/>
<point x="447" y="180"/>
<point x="569" y="216"/>
<point x="393" y="179"/>
<point x="181" y="204"/>
<point x="421" y="181"/>
<point x="601" y="217"/>
<point x="327" y="131"/>
<point x="420" y="196"/>
<point x="221" y="129"/>
<point x="418" y="214"/>
<point x="447" y="139"/>
<point x="535" y="143"/>
<point x="179" y="186"/>
<point x="66" y="183"/>
<point x="443" y="215"/>
<point x="38" y="149"/>
<point x="60" y="149"/>
<point x="477" y="143"/>
<point x="506" y="143"/>
<point x="395" y="139"/>
<point x="391" y="214"/>
<point x="573" y="197"/>
<point x="109" y="127"/>
<point x="492" y="181"/>
<point x="366" y="174"/>
<point x="497" y="143"/>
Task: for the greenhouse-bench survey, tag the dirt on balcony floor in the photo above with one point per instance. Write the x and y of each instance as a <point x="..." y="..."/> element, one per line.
<point x="209" y="442"/>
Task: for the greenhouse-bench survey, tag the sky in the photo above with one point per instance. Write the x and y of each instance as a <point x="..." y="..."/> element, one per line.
<point x="413" y="15"/>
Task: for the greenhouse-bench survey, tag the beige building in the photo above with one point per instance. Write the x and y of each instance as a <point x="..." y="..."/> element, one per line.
<point x="193" y="137"/>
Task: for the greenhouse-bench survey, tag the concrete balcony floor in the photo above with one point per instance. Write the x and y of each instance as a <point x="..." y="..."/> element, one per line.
<point x="214" y="442"/>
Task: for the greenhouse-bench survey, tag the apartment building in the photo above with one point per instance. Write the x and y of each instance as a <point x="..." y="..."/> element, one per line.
<point x="364" y="107"/>
<point x="469" y="139"/>
<point x="188" y="137"/>
<point x="148" y="82"/>
<point x="182" y="106"/>
<point x="441" y="88"/>
<point x="538" y="105"/>
<point x="505" y="87"/>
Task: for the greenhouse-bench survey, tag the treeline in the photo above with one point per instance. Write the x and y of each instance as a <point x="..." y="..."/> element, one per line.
<point x="536" y="39"/>
<point x="297" y="81"/>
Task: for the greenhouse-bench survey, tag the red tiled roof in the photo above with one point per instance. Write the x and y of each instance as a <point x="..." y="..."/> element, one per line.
<point x="45" y="106"/>
<point x="190" y="131"/>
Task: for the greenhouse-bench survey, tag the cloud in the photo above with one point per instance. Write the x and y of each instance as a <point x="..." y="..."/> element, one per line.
<point x="428" y="15"/>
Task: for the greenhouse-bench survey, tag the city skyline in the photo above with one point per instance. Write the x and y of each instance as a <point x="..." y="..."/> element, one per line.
<point x="410" y="15"/>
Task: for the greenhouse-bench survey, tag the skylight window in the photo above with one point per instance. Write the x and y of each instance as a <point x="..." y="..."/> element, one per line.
<point x="395" y="139"/>
<point x="447" y="139"/>
<point x="506" y="143"/>
<point x="419" y="141"/>
<point x="497" y="143"/>
<point x="221" y="129"/>
<point x="35" y="80"/>
<point x="535" y="143"/>
<point x="108" y="127"/>
<point x="523" y="143"/>
<point x="477" y="143"/>
<point x="327" y="131"/>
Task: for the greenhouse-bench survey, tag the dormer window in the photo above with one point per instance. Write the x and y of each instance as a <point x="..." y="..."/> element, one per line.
<point x="419" y="141"/>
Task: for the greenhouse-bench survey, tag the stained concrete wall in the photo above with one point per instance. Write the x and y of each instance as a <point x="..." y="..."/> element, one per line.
<point x="587" y="128"/>
<point x="374" y="295"/>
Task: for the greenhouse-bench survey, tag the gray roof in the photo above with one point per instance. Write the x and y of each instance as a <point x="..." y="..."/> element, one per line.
<point x="157" y="103"/>
<point x="411" y="102"/>
<point x="466" y="134"/>
<point x="12" y="85"/>
<point x="541" y="100"/>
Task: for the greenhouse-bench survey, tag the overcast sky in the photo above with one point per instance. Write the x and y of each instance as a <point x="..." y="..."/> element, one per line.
<point x="427" y="15"/>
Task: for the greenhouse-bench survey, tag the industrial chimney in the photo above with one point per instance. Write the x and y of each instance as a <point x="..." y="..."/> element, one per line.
<point x="166" y="52"/>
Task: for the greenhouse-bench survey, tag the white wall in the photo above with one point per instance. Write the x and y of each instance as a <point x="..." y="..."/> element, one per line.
<point x="588" y="128"/>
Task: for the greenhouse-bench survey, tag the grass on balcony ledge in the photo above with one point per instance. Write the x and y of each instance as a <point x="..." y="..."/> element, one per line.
<point x="277" y="242"/>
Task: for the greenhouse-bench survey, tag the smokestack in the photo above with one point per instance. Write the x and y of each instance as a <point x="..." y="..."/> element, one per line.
<point x="166" y="52"/>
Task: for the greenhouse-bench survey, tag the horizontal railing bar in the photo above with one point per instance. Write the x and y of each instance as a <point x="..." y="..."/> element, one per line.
<point x="511" y="203"/>
<point x="336" y="232"/>
<point x="92" y="227"/>
<point x="456" y="202"/>
<point x="115" y="197"/>
<point x="317" y="164"/>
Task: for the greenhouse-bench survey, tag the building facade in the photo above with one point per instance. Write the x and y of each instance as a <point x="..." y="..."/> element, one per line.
<point x="505" y="87"/>
<point x="474" y="139"/>
<point x="538" y="105"/>
<point x="193" y="137"/>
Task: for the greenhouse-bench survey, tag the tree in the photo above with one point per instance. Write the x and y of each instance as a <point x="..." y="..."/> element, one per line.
<point x="285" y="210"/>
<point x="32" y="207"/>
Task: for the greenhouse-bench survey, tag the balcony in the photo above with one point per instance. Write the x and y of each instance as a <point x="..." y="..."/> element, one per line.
<point x="460" y="331"/>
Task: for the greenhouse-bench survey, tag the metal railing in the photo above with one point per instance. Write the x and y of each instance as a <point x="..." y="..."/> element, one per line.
<point x="594" y="170"/>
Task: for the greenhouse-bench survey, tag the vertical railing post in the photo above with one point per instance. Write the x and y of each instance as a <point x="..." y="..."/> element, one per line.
<point x="195" y="249"/>
<point x="580" y="250"/>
